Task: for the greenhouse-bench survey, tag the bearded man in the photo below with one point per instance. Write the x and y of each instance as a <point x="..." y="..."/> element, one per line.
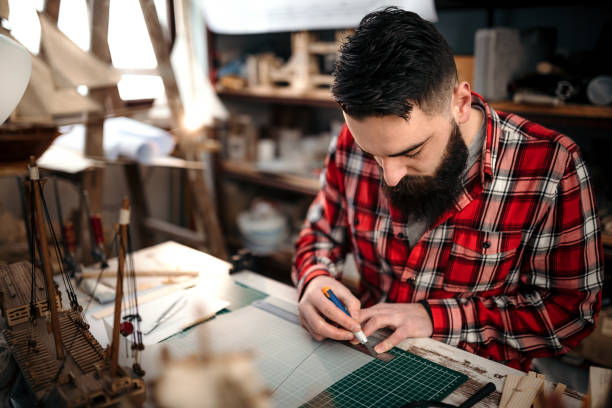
<point x="475" y="227"/>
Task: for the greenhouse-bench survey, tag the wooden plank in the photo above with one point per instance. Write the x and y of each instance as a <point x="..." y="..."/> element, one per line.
<point x="509" y="386"/>
<point x="558" y="392"/>
<point x="600" y="386"/>
<point x="520" y="391"/>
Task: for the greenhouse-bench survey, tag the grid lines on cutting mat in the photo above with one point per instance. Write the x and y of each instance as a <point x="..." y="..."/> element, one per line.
<point x="404" y="379"/>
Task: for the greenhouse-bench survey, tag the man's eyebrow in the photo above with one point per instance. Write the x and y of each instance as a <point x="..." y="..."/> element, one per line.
<point x="410" y="149"/>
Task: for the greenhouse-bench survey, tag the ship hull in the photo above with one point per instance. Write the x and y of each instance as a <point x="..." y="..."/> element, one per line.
<point x="81" y="378"/>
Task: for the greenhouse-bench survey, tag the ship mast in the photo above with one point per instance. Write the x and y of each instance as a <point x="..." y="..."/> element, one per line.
<point x="44" y="255"/>
<point x="124" y="220"/>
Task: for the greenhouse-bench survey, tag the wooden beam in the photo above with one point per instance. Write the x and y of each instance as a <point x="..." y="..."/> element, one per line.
<point x="181" y="234"/>
<point x="4" y="9"/>
<point x="52" y="9"/>
<point x="162" y="54"/>
<point x="204" y="208"/>
<point x="93" y="182"/>
<point x="139" y="202"/>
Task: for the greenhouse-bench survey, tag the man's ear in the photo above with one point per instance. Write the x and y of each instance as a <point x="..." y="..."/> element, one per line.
<point x="462" y="102"/>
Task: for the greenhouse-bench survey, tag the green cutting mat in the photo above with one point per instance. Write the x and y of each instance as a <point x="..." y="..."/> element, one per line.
<point x="404" y="379"/>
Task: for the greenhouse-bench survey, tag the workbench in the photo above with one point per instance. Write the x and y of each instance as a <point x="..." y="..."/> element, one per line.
<point x="478" y="369"/>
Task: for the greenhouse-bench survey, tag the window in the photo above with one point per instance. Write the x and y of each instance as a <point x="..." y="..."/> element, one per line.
<point x="128" y="39"/>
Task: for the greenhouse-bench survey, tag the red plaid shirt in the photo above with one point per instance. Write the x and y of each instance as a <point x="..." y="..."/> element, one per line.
<point x="513" y="271"/>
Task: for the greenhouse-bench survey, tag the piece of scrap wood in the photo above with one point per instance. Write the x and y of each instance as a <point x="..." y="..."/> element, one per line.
<point x="559" y="390"/>
<point x="600" y="382"/>
<point x="109" y="273"/>
<point x="521" y="391"/>
<point x="509" y="386"/>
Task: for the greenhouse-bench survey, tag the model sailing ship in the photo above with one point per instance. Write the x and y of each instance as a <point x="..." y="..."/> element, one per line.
<point x="60" y="361"/>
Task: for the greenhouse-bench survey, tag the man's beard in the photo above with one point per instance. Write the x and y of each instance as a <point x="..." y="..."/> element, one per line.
<point x="428" y="197"/>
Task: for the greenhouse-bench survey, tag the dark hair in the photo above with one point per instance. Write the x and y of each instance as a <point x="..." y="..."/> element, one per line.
<point x="394" y="61"/>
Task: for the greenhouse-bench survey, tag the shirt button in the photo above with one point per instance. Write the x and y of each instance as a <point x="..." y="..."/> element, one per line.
<point x="356" y="221"/>
<point x="486" y="245"/>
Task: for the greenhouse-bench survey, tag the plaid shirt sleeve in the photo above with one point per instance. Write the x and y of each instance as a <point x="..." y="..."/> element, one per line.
<point x="558" y="297"/>
<point x="322" y="244"/>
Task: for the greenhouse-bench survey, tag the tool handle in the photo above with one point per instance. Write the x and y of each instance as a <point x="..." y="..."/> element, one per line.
<point x="480" y="394"/>
<point x="332" y="296"/>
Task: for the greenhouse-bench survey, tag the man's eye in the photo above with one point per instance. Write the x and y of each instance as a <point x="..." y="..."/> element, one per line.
<point x="413" y="154"/>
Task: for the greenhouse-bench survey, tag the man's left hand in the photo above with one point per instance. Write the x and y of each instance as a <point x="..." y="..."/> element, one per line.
<point x="407" y="319"/>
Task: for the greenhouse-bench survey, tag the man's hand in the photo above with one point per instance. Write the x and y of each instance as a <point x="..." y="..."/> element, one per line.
<point x="314" y="308"/>
<point x="408" y="320"/>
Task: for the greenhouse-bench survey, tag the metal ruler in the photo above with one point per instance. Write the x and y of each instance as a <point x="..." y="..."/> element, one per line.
<point x="293" y="318"/>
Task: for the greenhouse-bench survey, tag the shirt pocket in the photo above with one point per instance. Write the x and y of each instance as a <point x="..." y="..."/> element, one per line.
<point x="480" y="261"/>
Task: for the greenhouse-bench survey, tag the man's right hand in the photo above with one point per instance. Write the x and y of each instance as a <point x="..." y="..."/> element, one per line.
<point x="316" y="311"/>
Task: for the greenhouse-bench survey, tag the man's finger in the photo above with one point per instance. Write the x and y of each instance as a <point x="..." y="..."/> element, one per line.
<point x="376" y="322"/>
<point x="323" y="328"/>
<point x="333" y="313"/>
<point x="319" y="327"/>
<point x="393" y="340"/>
<point x="368" y="312"/>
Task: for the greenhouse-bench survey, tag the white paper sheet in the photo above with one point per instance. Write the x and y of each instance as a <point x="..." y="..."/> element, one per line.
<point x="169" y="256"/>
<point x="292" y="365"/>
<point x="122" y="137"/>
<point x="193" y="307"/>
<point x="250" y="17"/>
<point x="63" y="159"/>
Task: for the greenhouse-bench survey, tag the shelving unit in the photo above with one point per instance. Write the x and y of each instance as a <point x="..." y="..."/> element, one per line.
<point x="324" y="99"/>
<point x="569" y="110"/>
<point x="289" y="182"/>
<point x="256" y="101"/>
<point x="321" y="98"/>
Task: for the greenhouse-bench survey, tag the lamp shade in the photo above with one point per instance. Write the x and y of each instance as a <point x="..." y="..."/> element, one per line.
<point x="15" y="70"/>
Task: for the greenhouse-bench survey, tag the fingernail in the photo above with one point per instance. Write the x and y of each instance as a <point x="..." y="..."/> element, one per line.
<point x="350" y="337"/>
<point x="354" y="341"/>
<point x="381" y="348"/>
<point x="356" y="329"/>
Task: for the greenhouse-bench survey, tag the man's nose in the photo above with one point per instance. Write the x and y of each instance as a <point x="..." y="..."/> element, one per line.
<point x="392" y="171"/>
